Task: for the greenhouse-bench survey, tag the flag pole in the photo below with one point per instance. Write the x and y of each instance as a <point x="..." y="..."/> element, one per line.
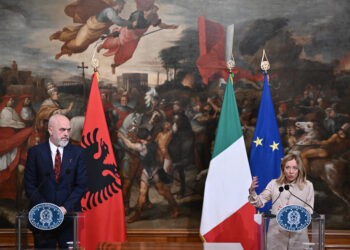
<point x="230" y="65"/>
<point x="95" y="63"/>
<point x="265" y="65"/>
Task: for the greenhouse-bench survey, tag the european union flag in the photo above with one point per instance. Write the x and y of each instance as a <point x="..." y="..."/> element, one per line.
<point x="266" y="151"/>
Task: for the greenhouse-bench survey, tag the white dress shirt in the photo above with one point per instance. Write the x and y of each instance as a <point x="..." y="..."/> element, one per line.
<point x="53" y="148"/>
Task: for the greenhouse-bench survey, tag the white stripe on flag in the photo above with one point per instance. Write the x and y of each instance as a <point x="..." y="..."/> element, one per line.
<point x="227" y="184"/>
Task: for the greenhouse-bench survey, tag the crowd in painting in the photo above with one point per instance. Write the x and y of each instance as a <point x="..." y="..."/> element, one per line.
<point x="176" y="127"/>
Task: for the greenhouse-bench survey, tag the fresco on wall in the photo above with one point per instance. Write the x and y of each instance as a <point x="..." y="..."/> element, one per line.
<point x="162" y="67"/>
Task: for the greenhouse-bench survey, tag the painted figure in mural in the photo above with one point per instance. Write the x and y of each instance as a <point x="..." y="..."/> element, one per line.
<point x="13" y="136"/>
<point x="294" y="175"/>
<point x="203" y="117"/>
<point x="78" y="38"/>
<point x="107" y="105"/>
<point x="126" y="161"/>
<point x="163" y="139"/>
<point x="215" y="103"/>
<point x="334" y="120"/>
<point x="56" y="172"/>
<point x="201" y="124"/>
<point x="335" y="144"/>
<point x="290" y="138"/>
<point x="122" y="110"/>
<point x="50" y="107"/>
<point x="25" y="110"/>
<point x="8" y="115"/>
<point x="154" y="116"/>
<point x="311" y="133"/>
<point x="123" y="46"/>
<point x="9" y="119"/>
<point x="282" y="116"/>
<point x="304" y="101"/>
<point x="77" y="125"/>
<point x="108" y="109"/>
<point x="181" y="147"/>
<point x="130" y="165"/>
<point x="329" y="121"/>
<point x="245" y="110"/>
<point x="147" y="150"/>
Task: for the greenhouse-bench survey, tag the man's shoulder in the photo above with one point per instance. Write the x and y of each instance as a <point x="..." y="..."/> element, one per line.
<point x="40" y="146"/>
<point x="75" y="148"/>
<point x="45" y="144"/>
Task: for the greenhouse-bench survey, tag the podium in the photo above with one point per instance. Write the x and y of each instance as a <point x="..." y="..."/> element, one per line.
<point x="313" y="241"/>
<point x="22" y="228"/>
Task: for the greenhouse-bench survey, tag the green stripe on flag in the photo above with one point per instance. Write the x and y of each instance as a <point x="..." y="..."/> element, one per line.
<point x="229" y="128"/>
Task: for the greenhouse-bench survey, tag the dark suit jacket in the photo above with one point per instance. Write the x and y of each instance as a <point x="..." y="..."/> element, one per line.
<point x="39" y="177"/>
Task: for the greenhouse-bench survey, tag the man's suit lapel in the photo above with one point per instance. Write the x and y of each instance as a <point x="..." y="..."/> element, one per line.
<point x="67" y="159"/>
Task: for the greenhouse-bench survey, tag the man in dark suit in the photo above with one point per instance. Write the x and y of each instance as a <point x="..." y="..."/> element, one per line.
<point x="55" y="172"/>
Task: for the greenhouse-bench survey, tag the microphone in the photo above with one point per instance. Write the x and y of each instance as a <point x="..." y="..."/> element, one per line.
<point x="268" y="214"/>
<point x="314" y="213"/>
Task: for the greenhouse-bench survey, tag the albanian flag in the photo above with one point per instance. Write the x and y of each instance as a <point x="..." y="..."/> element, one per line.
<point x="103" y="203"/>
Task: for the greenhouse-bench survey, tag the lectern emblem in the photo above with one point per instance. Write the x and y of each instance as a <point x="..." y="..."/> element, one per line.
<point x="45" y="216"/>
<point x="293" y="218"/>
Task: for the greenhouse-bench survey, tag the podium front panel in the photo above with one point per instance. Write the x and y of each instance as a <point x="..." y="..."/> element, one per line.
<point x="272" y="236"/>
<point x="23" y="226"/>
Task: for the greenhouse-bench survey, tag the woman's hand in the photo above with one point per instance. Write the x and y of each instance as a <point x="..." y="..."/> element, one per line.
<point x="281" y="206"/>
<point x="254" y="184"/>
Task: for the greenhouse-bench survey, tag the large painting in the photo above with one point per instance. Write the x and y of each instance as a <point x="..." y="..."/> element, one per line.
<point x="162" y="68"/>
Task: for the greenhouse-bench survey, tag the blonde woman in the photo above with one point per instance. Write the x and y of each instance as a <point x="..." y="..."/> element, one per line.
<point x="292" y="174"/>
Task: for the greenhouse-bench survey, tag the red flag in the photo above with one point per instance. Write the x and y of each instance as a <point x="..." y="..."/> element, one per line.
<point x="103" y="203"/>
<point x="211" y="62"/>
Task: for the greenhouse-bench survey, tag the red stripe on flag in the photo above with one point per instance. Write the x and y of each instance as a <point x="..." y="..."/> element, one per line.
<point x="104" y="223"/>
<point x="239" y="227"/>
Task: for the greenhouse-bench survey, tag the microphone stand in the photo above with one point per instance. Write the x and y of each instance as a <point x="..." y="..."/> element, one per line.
<point x="269" y="214"/>
<point x="314" y="213"/>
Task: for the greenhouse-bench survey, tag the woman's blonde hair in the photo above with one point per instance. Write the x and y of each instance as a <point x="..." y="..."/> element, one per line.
<point x="301" y="178"/>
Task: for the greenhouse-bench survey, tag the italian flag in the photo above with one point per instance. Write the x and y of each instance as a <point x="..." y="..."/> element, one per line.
<point x="227" y="216"/>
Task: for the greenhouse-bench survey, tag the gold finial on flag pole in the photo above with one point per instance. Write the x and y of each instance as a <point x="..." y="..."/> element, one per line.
<point x="94" y="61"/>
<point x="265" y="65"/>
<point x="231" y="63"/>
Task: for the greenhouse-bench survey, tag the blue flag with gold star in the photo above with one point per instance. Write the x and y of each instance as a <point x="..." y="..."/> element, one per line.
<point x="266" y="151"/>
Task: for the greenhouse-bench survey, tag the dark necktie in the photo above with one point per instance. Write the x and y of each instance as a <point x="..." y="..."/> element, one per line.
<point x="57" y="165"/>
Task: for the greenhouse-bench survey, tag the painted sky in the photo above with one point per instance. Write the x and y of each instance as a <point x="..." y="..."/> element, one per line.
<point x="321" y="25"/>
